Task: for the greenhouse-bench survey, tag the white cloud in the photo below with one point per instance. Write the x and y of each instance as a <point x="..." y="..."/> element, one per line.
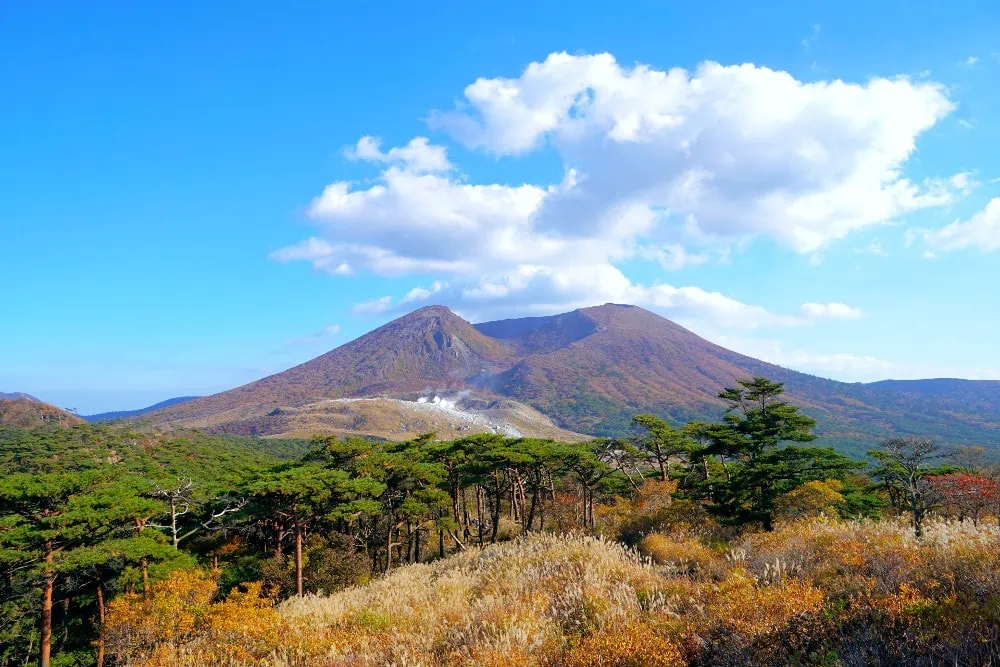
<point x="375" y="306"/>
<point x="981" y="231"/>
<point x="327" y="332"/>
<point x="546" y="290"/>
<point x="424" y="293"/>
<point x="741" y="149"/>
<point x="845" y="366"/>
<point x="965" y="181"/>
<point x="669" y="166"/>
<point x="831" y="310"/>
<point x="840" y="365"/>
<point x="970" y="61"/>
<point x="966" y="124"/>
<point x="674" y="257"/>
<point x="419" y="155"/>
<point x="873" y="248"/>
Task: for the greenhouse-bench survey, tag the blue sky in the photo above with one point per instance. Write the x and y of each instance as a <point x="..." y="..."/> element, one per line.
<point x="195" y="195"/>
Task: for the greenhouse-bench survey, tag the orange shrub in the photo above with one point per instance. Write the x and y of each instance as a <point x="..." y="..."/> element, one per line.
<point x="744" y="606"/>
<point x="169" y="616"/>
<point x="634" y="645"/>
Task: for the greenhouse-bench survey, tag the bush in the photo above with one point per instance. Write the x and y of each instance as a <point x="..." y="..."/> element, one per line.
<point x="688" y="556"/>
<point x="817" y="591"/>
<point x="635" y="645"/>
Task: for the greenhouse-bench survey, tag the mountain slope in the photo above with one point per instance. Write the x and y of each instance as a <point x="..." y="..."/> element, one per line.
<point x="32" y="413"/>
<point x="428" y="350"/>
<point x="591" y="370"/>
<point x="121" y="414"/>
<point x="17" y="395"/>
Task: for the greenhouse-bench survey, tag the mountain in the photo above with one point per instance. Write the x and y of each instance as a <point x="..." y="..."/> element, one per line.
<point x="31" y="413"/>
<point x="589" y="371"/>
<point x="17" y="395"/>
<point x="122" y="414"/>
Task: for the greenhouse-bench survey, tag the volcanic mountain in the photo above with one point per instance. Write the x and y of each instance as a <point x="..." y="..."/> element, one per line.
<point x="588" y="371"/>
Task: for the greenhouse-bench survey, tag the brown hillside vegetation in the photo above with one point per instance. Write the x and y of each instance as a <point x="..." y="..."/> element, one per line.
<point x="589" y="370"/>
<point x="390" y="418"/>
<point x="812" y="592"/>
<point x="28" y="413"/>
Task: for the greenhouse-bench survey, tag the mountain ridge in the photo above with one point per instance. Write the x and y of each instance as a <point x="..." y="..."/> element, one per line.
<point x="122" y="414"/>
<point x="30" y="413"/>
<point x="590" y="370"/>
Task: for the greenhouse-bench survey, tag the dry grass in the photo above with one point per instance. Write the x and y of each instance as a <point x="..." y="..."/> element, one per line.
<point x="811" y="592"/>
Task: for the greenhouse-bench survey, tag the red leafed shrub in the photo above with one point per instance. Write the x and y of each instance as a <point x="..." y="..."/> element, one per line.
<point x="967" y="496"/>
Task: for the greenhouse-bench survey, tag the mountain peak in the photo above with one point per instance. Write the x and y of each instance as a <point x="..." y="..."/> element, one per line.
<point x="434" y="309"/>
<point x="590" y="370"/>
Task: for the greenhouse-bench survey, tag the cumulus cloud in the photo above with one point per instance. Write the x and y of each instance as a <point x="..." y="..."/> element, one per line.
<point x="670" y="166"/>
<point x="740" y="149"/>
<point x="418" y="155"/>
<point x="981" y="231"/>
<point x="424" y="293"/>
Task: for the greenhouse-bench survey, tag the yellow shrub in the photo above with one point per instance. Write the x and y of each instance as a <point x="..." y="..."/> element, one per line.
<point x="635" y="645"/>
<point x="811" y="499"/>
<point x="170" y="615"/>
<point x="686" y="554"/>
<point x="753" y="610"/>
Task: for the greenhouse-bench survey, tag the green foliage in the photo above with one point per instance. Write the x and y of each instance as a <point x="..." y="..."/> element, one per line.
<point x="110" y="509"/>
<point x="757" y="464"/>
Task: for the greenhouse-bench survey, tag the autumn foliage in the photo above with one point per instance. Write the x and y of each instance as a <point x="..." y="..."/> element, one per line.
<point x="814" y="591"/>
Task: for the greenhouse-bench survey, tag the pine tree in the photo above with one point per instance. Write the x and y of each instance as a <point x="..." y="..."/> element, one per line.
<point x="758" y="465"/>
<point x="48" y="516"/>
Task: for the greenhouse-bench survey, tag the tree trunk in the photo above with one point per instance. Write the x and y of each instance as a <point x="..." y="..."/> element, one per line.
<point x="534" y="503"/>
<point x="144" y="566"/>
<point x="416" y="546"/>
<point x="479" y="512"/>
<point x="45" y="656"/>
<point x="65" y="622"/>
<point x="100" y="620"/>
<point x="388" y="545"/>
<point x="441" y="543"/>
<point x="496" y="507"/>
<point x="298" y="556"/>
<point x="173" y="521"/>
<point x="918" y="528"/>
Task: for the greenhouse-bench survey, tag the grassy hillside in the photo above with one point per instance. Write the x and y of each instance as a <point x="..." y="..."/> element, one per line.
<point x="813" y="592"/>
<point x="29" y="413"/>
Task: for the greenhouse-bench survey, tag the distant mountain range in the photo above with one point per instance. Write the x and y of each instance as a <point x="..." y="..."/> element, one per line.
<point x="122" y="414"/>
<point x="588" y="371"/>
<point x="28" y="412"/>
